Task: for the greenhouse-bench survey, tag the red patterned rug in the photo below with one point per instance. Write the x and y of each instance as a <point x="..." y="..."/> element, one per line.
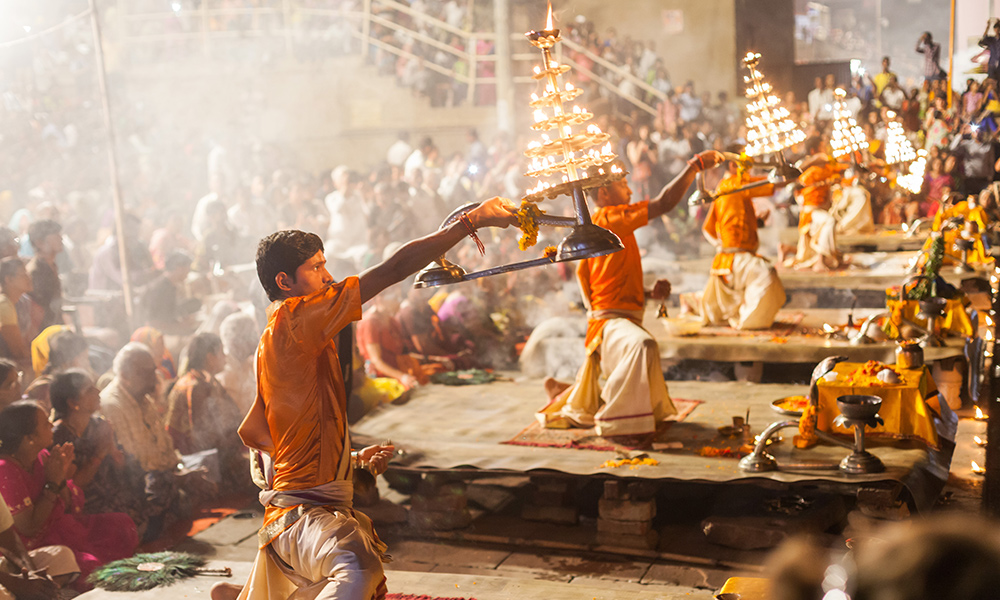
<point x="421" y="597"/>
<point x="587" y="439"/>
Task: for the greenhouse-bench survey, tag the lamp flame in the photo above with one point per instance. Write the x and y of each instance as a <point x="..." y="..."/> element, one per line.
<point x="979" y="414"/>
<point x="829" y="328"/>
<point x="977" y="469"/>
<point x="548" y="20"/>
<point x="979" y="441"/>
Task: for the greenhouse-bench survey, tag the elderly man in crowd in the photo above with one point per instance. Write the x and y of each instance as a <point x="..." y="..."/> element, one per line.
<point x="127" y="404"/>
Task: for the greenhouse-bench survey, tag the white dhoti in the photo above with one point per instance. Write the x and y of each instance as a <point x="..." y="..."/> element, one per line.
<point x="634" y="397"/>
<point x="818" y="241"/>
<point x="322" y="549"/>
<point x="747" y="298"/>
<point x="852" y="211"/>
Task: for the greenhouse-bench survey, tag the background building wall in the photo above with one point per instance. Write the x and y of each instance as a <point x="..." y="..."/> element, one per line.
<point x="695" y="38"/>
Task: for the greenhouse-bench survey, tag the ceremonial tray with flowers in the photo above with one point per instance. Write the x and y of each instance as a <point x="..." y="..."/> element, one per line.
<point x="791" y="406"/>
<point x="872" y="374"/>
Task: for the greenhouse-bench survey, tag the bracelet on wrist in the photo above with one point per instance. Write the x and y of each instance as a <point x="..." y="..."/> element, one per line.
<point x="696" y="160"/>
<point x="472" y="233"/>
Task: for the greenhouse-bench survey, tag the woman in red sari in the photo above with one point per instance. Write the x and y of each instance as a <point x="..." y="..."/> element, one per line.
<point x="46" y="504"/>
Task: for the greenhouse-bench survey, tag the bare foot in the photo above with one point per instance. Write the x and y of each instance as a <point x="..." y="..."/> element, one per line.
<point x="689" y="305"/>
<point x="785" y="252"/>
<point x="226" y="591"/>
<point x="553" y="387"/>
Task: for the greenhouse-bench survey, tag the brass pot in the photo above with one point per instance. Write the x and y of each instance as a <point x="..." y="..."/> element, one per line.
<point x="909" y="355"/>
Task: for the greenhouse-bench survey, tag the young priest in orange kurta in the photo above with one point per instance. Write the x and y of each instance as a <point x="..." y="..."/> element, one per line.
<point x="312" y="541"/>
<point x="743" y="289"/>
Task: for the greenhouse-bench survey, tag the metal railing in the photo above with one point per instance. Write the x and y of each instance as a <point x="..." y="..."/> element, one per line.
<point x="203" y="31"/>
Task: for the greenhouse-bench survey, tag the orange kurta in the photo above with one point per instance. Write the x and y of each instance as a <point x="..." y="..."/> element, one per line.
<point x="816" y="181"/>
<point x="614" y="281"/>
<point x="299" y="416"/>
<point x="733" y="221"/>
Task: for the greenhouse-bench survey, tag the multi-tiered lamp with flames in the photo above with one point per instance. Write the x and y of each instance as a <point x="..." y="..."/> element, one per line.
<point x="847" y="139"/>
<point x="898" y="149"/>
<point x="769" y="131"/>
<point x="577" y="160"/>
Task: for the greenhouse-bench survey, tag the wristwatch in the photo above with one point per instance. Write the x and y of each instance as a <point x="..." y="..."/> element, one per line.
<point x="53" y="487"/>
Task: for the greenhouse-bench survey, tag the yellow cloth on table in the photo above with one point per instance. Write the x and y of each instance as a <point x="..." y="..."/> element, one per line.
<point x="748" y="588"/>
<point x="904" y="409"/>
<point x="964" y="210"/>
<point x="977" y="255"/>
<point x="955" y="319"/>
<point x="974" y="213"/>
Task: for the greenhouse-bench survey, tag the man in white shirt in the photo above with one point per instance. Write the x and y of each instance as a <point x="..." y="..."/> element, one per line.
<point x="418" y="158"/>
<point x="400" y="150"/>
<point x="348" y="223"/>
<point x="893" y="95"/>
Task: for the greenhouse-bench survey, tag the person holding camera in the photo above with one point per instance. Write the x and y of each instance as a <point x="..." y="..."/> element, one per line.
<point x="992" y="44"/>
<point x="932" y="57"/>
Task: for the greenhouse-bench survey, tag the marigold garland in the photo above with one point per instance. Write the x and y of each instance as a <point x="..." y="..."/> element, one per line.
<point x="527" y="222"/>
<point x="633" y="463"/>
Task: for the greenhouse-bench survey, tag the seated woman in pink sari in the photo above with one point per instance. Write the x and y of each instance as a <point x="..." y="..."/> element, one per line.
<point x="46" y="505"/>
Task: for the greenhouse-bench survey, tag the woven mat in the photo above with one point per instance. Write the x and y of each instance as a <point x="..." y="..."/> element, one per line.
<point x="587" y="439"/>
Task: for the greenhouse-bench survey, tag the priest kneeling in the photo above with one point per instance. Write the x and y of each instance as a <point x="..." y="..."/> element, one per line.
<point x="743" y="288"/>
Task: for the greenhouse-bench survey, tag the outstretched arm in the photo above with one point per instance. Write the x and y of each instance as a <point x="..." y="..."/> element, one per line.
<point x="414" y="255"/>
<point x="674" y="191"/>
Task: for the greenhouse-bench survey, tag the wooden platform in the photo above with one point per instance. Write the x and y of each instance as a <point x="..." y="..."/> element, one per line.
<point x="795" y="348"/>
<point x="463" y="428"/>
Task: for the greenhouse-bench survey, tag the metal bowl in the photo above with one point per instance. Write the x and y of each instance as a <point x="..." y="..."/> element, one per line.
<point x="932" y="307"/>
<point x="857" y="406"/>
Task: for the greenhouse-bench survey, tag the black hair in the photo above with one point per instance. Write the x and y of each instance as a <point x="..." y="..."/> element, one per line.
<point x="177" y="260"/>
<point x="7" y="236"/>
<point x="10" y="267"/>
<point x="64" y="346"/>
<point x="39" y="230"/>
<point x="6" y="367"/>
<point x="198" y="349"/>
<point x="284" y="252"/>
<point x="65" y="386"/>
<point x="17" y="422"/>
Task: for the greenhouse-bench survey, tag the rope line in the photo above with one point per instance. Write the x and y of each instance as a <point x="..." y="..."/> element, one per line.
<point x="34" y="36"/>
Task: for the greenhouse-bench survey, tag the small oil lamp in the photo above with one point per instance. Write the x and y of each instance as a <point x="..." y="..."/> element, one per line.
<point x="977" y="470"/>
<point x="979" y="441"/>
<point x="980" y="416"/>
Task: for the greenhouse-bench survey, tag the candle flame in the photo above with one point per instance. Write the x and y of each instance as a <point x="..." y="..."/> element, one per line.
<point x="548" y="20"/>
<point x="829" y="328"/>
<point x="979" y="414"/>
<point x="976" y="468"/>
